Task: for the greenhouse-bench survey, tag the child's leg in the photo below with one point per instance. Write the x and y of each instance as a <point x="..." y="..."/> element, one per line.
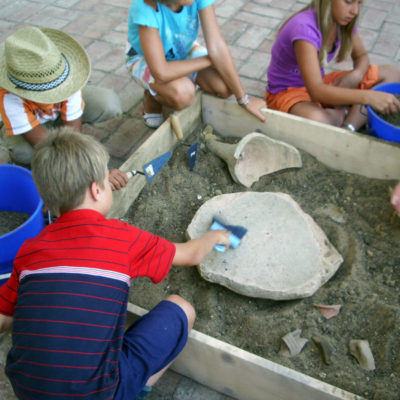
<point x="309" y="110"/>
<point x="152" y="343"/>
<point x="211" y="82"/>
<point x="297" y="101"/>
<point x="177" y="94"/>
<point x="191" y="315"/>
<point x="101" y="104"/>
<point x="388" y="74"/>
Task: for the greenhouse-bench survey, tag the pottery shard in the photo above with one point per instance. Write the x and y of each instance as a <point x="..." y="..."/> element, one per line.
<point x="255" y="155"/>
<point x="284" y="255"/>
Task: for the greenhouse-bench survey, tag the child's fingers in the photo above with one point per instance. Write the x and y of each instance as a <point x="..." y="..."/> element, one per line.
<point x="254" y="107"/>
<point x="225" y="238"/>
<point x="118" y="179"/>
<point x="395" y="199"/>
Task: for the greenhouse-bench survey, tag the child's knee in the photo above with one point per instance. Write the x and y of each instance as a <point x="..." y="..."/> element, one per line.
<point x="320" y="115"/>
<point x="187" y="308"/>
<point x="223" y="91"/>
<point x="20" y="149"/>
<point x="182" y="95"/>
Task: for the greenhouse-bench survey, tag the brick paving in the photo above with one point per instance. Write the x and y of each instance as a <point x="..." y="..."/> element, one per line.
<point x="249" y="28"/>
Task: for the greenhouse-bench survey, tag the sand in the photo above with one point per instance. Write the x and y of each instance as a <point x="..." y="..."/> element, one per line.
<point x="355" y="214"/>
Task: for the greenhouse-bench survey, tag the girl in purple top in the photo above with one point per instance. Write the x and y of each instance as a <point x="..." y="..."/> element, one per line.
<point x="322" y="31"/>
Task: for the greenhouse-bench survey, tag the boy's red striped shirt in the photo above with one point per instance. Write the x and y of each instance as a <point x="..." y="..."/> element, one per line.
<point x="68" y="294"/>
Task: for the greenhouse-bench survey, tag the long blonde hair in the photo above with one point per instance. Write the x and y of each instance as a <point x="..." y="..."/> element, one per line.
<point x="325" y="21"/>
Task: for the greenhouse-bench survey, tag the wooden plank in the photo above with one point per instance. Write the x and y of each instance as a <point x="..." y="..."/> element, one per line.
<point x="161" y="141"/>
<point x="243" y="375"/>
<point x="335" y="147"/>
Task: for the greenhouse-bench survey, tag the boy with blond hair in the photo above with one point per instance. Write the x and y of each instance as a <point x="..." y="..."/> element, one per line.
<point x="66" y="299"/>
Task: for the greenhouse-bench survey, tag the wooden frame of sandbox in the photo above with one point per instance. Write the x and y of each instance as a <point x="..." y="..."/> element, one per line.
<point x="209" y="361"/>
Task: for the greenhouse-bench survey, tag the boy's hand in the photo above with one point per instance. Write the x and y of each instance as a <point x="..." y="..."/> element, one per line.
<point x="118" y="179"/>
<point x="221" y="237"/>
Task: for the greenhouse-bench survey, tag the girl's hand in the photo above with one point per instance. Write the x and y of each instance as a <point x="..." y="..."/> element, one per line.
<point x="383" y="102"/>
<point x="254" y="107"/>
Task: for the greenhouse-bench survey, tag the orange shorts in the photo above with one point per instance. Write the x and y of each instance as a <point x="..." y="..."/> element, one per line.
<point x="285" y="100"/>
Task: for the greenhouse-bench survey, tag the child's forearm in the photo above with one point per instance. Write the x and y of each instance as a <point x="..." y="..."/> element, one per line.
<point x="5" y="323"/>
<point x="172" y="70"/>
<point x="194" y="251"/>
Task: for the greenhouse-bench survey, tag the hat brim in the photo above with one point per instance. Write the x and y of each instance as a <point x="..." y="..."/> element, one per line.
<point x="78" y="76"/>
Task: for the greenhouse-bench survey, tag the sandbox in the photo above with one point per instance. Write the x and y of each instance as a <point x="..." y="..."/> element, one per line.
<point x="212" y="362"/>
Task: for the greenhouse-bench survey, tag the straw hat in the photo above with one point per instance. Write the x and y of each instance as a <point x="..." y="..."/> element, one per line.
<point x="43" y="65"/>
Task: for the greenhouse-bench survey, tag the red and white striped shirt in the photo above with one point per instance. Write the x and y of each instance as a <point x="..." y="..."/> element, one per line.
<point x="20" y="116"/>
<point x="68" y="294"/>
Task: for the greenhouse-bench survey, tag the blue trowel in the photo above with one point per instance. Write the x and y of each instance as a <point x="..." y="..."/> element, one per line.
<point x="192" y="151"/>
<point x="151" y="169"/>
<point x="237" y="233"/>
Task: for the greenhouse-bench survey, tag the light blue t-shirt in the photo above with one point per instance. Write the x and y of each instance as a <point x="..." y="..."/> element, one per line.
<point x="178" y="30"/>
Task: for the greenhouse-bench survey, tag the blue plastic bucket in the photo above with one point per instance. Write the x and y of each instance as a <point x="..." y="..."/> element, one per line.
<point x="18" y="194"/>
<point x="379" y="127"/>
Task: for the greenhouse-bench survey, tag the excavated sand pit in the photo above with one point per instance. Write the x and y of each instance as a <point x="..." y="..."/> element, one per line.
<point x="355" y="214"/>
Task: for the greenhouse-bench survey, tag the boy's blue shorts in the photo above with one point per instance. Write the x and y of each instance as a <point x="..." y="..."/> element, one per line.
<point x="150" y="344"/>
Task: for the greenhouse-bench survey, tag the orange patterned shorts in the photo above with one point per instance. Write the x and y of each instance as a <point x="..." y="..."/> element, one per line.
<point x="285" y="100"/>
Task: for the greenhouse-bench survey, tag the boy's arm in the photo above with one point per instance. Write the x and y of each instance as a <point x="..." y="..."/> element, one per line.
<point x="39" y="133"/>
<point x="36" y="135"/>
<point x="5" y="323"/>
<point x="193" y="251"/>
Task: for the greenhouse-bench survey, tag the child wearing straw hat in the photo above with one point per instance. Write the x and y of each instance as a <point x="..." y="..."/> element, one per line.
<point x="66" y="299"/>
<point x="42" y="73"/>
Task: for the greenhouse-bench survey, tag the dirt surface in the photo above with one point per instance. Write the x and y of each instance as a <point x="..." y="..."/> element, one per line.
<point x="355" y="214"/>
<point x="11" y="220"/>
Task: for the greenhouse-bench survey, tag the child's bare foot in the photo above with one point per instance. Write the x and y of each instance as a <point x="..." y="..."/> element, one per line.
<point x="152" y="113"/>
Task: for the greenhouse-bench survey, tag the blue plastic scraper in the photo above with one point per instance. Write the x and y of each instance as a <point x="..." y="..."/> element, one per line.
<point x="237" y="233"/>
<point x="192" y="151"/>
<point x="151" y="169"/>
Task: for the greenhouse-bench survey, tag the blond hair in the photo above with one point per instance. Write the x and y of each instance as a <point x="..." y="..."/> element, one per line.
<point x="325" y="21"/>
<point x="64" y="165"/>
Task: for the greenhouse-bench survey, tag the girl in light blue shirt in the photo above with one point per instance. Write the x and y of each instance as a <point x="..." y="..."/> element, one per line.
<point x="164" y="57"/>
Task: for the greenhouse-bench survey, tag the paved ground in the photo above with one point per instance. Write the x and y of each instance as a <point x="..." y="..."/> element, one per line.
<point x="249" y="28"/>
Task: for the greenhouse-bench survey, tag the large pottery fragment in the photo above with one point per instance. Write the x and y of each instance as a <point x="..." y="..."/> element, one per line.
<point x="284" y="255"/>
<point x="255" y="155"/>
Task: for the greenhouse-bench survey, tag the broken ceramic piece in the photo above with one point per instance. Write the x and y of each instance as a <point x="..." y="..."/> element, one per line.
<point x="362" y="352"/>
<point x="292" y="344"/>
<point x="254" y="156"/>
<point x="328" y="311"/>
<point x="324" y="347"/>
<point x="284" y="255"/>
